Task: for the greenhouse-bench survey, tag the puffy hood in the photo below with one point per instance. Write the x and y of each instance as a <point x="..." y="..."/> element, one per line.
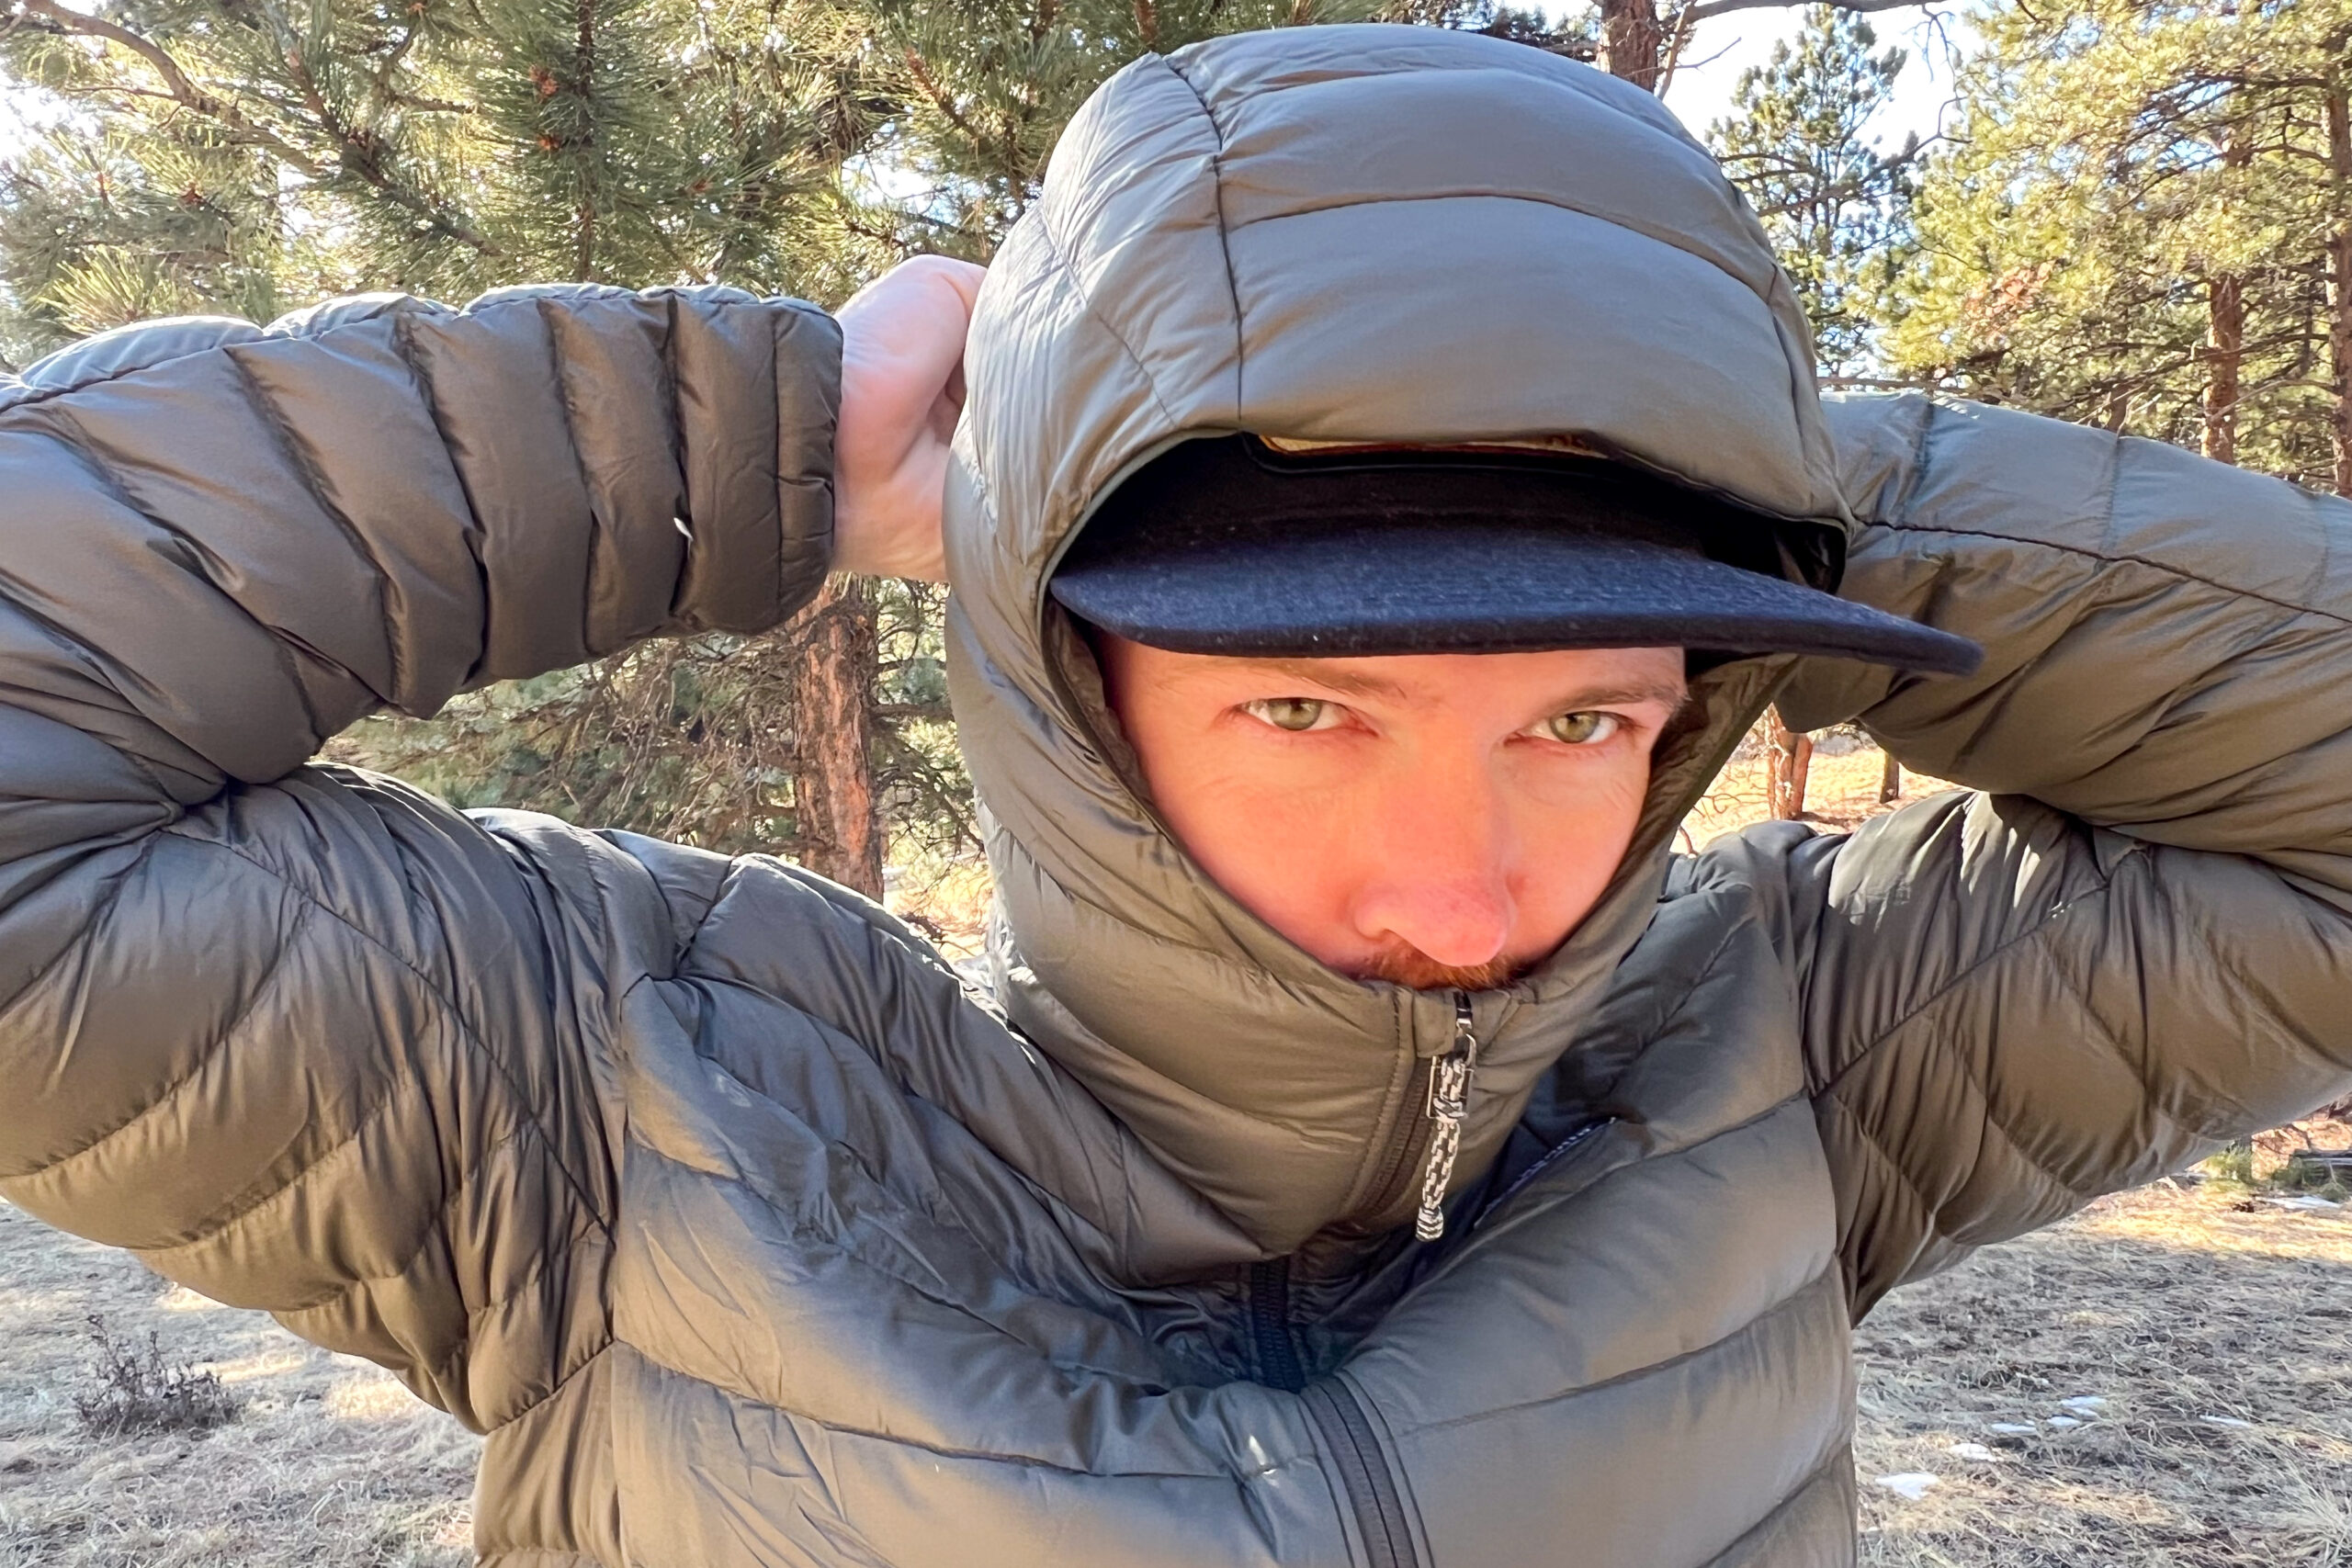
<point x="1345" y="232"/>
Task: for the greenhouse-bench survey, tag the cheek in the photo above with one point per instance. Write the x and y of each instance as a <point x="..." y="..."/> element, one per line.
<point x="1573" y="834"/>
<point x="1279" y="836"/>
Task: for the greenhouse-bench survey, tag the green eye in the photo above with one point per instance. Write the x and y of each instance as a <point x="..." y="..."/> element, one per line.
<point x="1580" y="729"/>
<point x="1292" y="713"/>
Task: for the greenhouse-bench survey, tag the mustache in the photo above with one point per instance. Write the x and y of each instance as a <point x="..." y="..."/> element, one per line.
<point x="1399" y="963"/>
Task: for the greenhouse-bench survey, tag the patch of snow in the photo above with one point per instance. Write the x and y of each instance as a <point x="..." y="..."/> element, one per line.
<point x="1911" y="1485"/>
<point x="179" y="1298"/>
<point x="2084" y="1403"/>
<point x="1976" y="1452"/>
<point x="2230" y="1421"/>
<point x="2014" y="1428"/>
<point x="2064" y="1423"/>
<point x="2304" y="1201"/>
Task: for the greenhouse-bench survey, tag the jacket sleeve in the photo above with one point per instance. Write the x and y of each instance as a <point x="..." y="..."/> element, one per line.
<point x="301" y="1038"/>
<point x="2131" y="940"/>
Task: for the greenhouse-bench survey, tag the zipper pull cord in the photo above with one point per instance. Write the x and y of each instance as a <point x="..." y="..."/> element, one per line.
<point x="1449" y="1104"/>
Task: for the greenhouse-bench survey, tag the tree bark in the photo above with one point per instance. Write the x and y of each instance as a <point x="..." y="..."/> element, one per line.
<point x="832" y="688"/>
<point x="2339" y="276"/>
<point x="583" y="236"/>
<point x="2224" y="353"/>
<point x="1791" y="761"/>
<point x="1632" y="42"/>
<point x="2225" y="334"/>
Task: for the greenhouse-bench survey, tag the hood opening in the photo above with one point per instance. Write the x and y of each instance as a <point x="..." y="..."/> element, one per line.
<point x="1729" y="692"/>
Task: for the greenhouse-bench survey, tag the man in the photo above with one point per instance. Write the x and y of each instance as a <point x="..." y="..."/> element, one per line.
<point x="749" y="1236"/>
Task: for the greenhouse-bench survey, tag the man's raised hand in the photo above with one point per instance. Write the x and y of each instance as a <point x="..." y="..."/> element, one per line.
<point x="902" y="387"/>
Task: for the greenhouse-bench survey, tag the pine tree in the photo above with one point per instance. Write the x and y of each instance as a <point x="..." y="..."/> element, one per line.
<point x="1837" y="207"/>
<point x="1837" y="210"/>
<point x="242" y="157"/>
<point x="2146" y="223"/>
<point x="438" y="146"/>
<point x="985" y="86"/>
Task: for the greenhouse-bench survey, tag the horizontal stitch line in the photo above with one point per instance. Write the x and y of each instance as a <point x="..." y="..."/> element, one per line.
<point x="2123" y="557"/>
<point x="564" y="1380"/>
<point x="429" y="989"/>
<point x="104" y="910"/>
<point x="1531" y="198"/>
<point x="1802" y="1296"/>
<point x="1840" y="1454"/>
<point x="204" y="1059"/>
<point x="217" y="1227"/>
<point x="1999" y="952"/>
<point x="830" y="1242"/>
<point x="1025" y="1462"/>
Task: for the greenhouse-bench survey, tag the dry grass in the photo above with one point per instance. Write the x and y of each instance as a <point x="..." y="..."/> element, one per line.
<point x="328" y="1462"/>
<point x="2217" y="1331"/>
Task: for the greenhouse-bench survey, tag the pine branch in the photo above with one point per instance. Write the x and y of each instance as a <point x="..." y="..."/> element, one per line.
<point x="361" y="153"/>
<point x="921" y="71"/>
<point x="74" y="24"/>
<point x="388" y="95"/>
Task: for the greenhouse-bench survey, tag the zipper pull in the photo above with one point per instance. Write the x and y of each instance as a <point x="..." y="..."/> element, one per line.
<point x="1449" y="1104"/>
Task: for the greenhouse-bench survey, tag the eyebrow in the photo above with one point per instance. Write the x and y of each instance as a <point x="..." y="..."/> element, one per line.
<point x="1320" y="672"/>
<point x="1668" y="693"/>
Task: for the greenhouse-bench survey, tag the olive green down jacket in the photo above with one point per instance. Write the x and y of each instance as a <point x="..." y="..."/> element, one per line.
<point x="751" y="1234"/>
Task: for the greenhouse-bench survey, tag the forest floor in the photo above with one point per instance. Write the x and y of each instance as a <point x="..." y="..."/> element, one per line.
<point x="327" y="1463"/>
<point x="2163" y="1382"/>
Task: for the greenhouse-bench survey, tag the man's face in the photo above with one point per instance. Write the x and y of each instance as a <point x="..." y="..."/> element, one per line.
<point x="1433" y="819"/>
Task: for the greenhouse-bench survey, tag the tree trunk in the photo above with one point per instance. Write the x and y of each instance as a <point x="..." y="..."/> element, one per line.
<point x="2224" y="352"/>
<point x="1791" y="761"/>
<point x="832" y="688"/>
<point x="584" y="227"/>
<point x="2225" y="334"/>
<point x="1632" y="42"/>
<point x="2339" y="278"/>
<point x="1890" y="782"/>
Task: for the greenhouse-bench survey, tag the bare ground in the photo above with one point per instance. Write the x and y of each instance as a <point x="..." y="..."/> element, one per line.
<point x="330" y="1464"/>
<point x="2215" y="1331"/>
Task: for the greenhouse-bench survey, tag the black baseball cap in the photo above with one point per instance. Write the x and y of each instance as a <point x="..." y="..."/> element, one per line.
<point x="1243" y="546"/>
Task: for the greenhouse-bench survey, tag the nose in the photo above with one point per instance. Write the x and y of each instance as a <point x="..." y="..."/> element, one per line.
<point x="1439" y="874"/>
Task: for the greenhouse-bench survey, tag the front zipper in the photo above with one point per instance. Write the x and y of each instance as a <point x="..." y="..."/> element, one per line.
<point x="1432" y="1143"/>
<point x="1269" y="1339"/>
<point x="1371" y="1490"/>
<point x="1448" y="1108"/>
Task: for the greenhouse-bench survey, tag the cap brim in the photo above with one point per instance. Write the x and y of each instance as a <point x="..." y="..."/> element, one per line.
<point x="1396" y="587"/>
